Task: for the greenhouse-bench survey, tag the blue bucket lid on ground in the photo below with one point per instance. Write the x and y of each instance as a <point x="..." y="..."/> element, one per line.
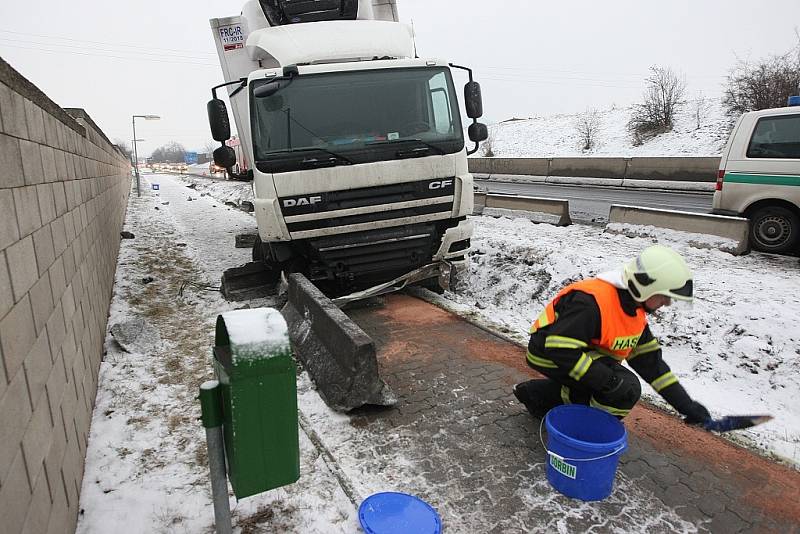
<point x="398" y="513"/>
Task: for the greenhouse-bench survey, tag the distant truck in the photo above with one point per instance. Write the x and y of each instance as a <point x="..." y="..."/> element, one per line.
<point x="359" y="163"/>
<point x="759" y="177"/>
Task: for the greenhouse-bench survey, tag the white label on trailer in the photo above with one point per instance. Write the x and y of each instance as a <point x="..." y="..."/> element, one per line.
<point x="232" y="37"/>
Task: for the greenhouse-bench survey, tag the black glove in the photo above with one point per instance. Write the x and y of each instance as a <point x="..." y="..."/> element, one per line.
<point x="695" y="413"/>
<point x="619" y="390"/>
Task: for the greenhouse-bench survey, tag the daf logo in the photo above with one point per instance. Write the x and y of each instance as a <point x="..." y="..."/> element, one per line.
<point x="302" y="201"/>
<point x="441" y="184"/>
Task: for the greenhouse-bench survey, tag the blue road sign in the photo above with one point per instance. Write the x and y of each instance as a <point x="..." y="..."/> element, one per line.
<point x="190" y="157"/>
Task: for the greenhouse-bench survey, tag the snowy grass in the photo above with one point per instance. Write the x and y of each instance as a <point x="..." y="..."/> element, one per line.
<point x="557" y="136"/>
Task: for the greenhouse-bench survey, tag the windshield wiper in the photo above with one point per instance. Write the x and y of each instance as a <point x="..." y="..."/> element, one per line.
<point x="332" y="160"/>
<point x="420" y="151"/>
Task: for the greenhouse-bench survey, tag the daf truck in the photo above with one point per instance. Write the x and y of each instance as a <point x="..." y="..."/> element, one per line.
<point x="357" y="149"/>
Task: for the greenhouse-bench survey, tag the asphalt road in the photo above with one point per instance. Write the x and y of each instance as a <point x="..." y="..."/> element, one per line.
<point x="591" y="203"/>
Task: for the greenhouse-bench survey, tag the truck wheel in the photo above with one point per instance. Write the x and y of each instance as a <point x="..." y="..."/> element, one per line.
<point x="774" y="229"/>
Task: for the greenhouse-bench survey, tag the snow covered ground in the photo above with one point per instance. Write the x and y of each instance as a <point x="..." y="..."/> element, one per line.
<point x="736" y="350"/>
<point x="557" y="135"/>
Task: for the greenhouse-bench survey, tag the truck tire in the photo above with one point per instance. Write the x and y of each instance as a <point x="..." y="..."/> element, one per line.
<point x="774" y="229"/>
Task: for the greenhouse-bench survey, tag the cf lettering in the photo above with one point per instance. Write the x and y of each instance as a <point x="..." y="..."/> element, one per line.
<point x="440" y="184"/>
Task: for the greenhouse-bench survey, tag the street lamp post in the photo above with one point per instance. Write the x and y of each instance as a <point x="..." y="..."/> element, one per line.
<point x="135" y="152"/>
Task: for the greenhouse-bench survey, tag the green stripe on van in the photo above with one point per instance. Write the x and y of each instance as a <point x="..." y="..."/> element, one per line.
<point x="766" y="179"/>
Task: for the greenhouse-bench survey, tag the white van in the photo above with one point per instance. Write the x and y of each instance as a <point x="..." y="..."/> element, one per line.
<point x="759" y="177"/>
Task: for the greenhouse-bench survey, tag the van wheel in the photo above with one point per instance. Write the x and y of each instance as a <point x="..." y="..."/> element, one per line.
<point x="774" y="229"/>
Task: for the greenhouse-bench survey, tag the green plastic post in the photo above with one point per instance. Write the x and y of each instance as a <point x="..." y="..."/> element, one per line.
<point x="210" y="405"/>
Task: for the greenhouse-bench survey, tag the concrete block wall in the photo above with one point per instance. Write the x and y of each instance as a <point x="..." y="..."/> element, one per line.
<point x="63" y="194"/>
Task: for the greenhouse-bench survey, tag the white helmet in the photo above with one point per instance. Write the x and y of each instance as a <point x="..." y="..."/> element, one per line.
<point x="658" y="270"/>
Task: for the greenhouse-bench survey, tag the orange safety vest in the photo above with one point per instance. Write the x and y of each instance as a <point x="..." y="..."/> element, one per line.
<point x="619" y="332"/>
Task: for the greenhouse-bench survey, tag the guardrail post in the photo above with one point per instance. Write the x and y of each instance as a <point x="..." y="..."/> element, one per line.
<point x="211" y="414"/>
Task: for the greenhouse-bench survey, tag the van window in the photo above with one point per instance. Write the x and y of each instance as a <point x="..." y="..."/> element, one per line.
<point x="776" y="137"/>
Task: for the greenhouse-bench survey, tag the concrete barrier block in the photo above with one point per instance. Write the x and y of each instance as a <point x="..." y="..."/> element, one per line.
<point x="15" y="494"/>
<point x="32" y="167"/>
<point x="12" y="109"/>
<point x="582" y="180"/>
<point x="9" y="226"/>
<point x="530" y="166"/>
<point x="689" y="169"/>
<point x="588" y="167"/>
<point x="59" y="235"/>
<point x="705" y="187"/>
<point x="39" y="509"/>
<point x="49" y="164"/>
<point x="518" y="178"/>
<point x="556" y="207"/>
<point x="735" y="229"/>
<point x="22" y="266"/>
<point x="47" y="202"/>
<point x="479" y="203"/>
<point x="41" y="295"/>
<point x="35" y="120"/>
<point x="26" y="202"/>
<point x="6" y="296"/>
<point x="45" y="251"/>
<point x="17" y="335"/>
<point x="10" y="162"/>
<point x="338" y="355"/>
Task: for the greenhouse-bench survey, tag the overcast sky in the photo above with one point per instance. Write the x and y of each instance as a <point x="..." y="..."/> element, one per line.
<point x="120" y="58"/>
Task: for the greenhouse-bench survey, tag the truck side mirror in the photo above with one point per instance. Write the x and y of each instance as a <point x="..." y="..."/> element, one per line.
<point x="478" y="132"/>
<point x="224" y="157"/>
<point x="218" y="120"/>
<point x="472" y="100"/>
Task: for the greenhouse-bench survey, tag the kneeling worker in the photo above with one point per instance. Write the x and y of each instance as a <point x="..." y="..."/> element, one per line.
<point x="585" y="333"/>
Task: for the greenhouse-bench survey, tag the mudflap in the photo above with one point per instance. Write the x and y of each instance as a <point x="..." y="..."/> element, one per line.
<point x="250" y="281"/>
<point x="338" y="355"/>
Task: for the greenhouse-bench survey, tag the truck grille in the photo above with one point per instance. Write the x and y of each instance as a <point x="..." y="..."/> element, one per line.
<point x="313" y="215"/>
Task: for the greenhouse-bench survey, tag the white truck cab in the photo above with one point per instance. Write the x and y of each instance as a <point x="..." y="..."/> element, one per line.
<point x="759" y="177"/>
<point x="356" y="146"/>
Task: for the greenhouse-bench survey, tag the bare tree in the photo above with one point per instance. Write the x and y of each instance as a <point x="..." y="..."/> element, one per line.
<point x="124" y="147"/>
<point x="210" y="146"/>
<point x="588" y="125"/>
<point x="488" y="145"/>
<point x="172" y="152"/>
<point x="663" y="96"/>
<point x="700" y="109"/>
<point x="765" y="84"/>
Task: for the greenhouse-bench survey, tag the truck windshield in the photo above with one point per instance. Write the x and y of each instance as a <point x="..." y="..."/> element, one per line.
<point x="356" y="117"/>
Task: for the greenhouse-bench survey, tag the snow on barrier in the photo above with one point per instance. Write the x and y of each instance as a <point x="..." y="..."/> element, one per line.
<point x="338" y="355"/>
<point x="558" y="208"/>
<point x="735" y="231"/>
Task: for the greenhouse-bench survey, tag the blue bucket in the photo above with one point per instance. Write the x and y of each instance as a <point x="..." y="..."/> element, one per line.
<point x="583" y="449"/>
<point x="398" y="513"/>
